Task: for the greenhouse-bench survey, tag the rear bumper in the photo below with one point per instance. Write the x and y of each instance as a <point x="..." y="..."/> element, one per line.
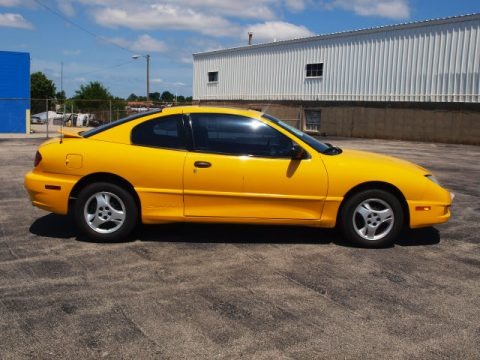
<point x="49" y="191"/>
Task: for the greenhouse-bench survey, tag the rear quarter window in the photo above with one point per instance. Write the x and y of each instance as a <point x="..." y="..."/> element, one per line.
<point x="165" y="132"/>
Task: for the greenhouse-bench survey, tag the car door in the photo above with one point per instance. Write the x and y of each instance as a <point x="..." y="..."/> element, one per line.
<point x="242" y="167"/>
<point x="156" y="166"/>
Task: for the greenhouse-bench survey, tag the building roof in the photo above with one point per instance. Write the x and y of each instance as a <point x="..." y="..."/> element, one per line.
<point x="343" y="34"/>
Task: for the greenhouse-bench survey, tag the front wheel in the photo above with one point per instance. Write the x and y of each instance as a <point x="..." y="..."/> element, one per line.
<point x="372" y="218"/>
<point x="105" y="212"/>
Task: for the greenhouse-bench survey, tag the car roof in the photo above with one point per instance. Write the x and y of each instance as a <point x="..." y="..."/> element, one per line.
<point x="172" y="111"/>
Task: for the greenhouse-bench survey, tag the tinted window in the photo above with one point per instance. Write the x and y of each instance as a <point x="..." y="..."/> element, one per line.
<point x="237" y="135"/>
<point x="165" y="132"/>
<point x="107" y="126"/>
<point x="314" y="143"/>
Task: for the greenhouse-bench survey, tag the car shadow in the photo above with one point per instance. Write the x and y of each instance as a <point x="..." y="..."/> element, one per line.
<point x="63" y="227"/>
<point x="419" y="237"/>
<point x="236" y="233"/>
<point x="54" y="226"/>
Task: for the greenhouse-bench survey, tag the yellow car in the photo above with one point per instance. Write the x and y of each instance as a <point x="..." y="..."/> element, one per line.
<point x="209" y="164"/>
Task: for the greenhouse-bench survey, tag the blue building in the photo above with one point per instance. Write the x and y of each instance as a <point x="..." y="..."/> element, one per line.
<point x="14" y="92"/>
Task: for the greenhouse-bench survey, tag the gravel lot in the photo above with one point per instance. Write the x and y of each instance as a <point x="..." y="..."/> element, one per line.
<point x="222" y="291"/>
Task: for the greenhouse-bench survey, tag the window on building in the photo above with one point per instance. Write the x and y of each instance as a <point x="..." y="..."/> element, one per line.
<point x="213" y="76"/>
<point x="314" y="70"/>
<point x="312" y="120"/>
<point x="238" y="135"/>
<point x="165" y="132"/>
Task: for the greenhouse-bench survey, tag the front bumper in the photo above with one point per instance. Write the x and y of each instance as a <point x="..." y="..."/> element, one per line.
<point x="424" y="214"/>
<point x="49" y="191"/>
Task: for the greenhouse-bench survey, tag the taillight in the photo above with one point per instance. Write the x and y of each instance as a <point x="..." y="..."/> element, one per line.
<point x="38" y="158"/>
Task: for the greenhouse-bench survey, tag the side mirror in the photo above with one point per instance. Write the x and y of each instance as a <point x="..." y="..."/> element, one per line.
<point x="298" y="153"/>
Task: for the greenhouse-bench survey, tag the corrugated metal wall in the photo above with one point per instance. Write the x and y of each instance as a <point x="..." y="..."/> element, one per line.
<point x="433" y="61"/>
<point x="14" y="91"/>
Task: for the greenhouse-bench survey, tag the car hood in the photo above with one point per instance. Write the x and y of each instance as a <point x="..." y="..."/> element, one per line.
<point x="352" y="168"/>
<point x="369" y="159"/>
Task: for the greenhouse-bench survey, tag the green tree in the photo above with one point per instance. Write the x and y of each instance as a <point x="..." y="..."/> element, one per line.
<point x="167" y="96"/>
<point x="40" y="88"/>
<point x="93" y="96"/>
<point x="94" y="90"/>
<point x="60" y="95"/>
<point x="155" y="96"/>
<point x="132" y="97"/>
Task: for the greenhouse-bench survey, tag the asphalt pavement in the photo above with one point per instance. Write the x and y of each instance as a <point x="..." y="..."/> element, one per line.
<point x="185" y="291"/>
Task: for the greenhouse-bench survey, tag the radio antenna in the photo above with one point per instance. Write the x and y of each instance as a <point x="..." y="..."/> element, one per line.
<point x="61" y="124"/>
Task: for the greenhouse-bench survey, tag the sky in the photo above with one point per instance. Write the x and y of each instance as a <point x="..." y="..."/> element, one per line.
<point x="96" y="40"/>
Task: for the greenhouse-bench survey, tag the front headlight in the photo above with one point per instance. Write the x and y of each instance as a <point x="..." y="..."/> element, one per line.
<point x="434" y="179"/>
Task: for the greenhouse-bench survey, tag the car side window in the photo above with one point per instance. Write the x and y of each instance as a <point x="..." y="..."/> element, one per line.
<point x="238" y="135"/>
<point x="164" y="132"/>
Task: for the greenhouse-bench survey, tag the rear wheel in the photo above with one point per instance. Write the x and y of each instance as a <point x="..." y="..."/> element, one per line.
<point x="105" y="212"/>
<point x="372" y="218"/>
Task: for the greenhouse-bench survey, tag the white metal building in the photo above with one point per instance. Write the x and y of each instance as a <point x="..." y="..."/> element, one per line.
<point x="416" y="81"/>
<point x="429" y="61"/>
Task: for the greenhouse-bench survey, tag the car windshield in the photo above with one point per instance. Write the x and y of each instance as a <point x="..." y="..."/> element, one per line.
<point x="310" y="140"/>
<point x="110" y="125"/>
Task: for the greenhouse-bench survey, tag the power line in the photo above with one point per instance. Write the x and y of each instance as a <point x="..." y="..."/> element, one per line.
<point x="81" y="27"/>
<point x="106" y="68"/>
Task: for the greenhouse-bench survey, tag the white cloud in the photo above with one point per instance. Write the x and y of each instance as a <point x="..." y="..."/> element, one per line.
<point x="276" y="31"/>
<point x="15" y="21"/>
<point x="160" y="16"/>
<point x="392" y="9"/>
<point x="26" y="4"/>
<point x="296" y="5"/>
<point x="143" y="44"/>
<point x="66" y="7"/>
<point x="10" y="3"/>
<point x="246" y="9"/>
<point x="156" y="81"/>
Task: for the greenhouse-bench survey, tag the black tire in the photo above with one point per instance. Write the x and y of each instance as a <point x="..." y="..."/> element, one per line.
<point x="372" y="218"/>
<point x="105" y="212"/>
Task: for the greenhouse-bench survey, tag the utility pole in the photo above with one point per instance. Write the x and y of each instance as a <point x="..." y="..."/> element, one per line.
<point x="61" y="78"/>
<point x="148" y="76"/>
<point x="147" y="57"/>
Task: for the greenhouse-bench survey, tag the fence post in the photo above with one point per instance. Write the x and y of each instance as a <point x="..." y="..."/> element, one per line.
<point x="46" y="114"/>
<point x="110" y="103"/>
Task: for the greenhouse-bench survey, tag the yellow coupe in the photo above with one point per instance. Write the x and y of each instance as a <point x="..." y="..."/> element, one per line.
<point x="209" y="164"/>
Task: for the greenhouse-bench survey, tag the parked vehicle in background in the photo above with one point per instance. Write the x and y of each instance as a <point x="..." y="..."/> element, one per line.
<point x="37" y="120"/>
<point x="43" y="117"/>
<point x="84" y="119"/>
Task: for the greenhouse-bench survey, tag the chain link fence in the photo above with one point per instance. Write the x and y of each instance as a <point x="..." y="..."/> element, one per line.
<point x="47" y="116"/>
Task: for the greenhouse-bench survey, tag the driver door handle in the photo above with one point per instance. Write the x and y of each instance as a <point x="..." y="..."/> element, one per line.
<point x="202" y="164"/>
